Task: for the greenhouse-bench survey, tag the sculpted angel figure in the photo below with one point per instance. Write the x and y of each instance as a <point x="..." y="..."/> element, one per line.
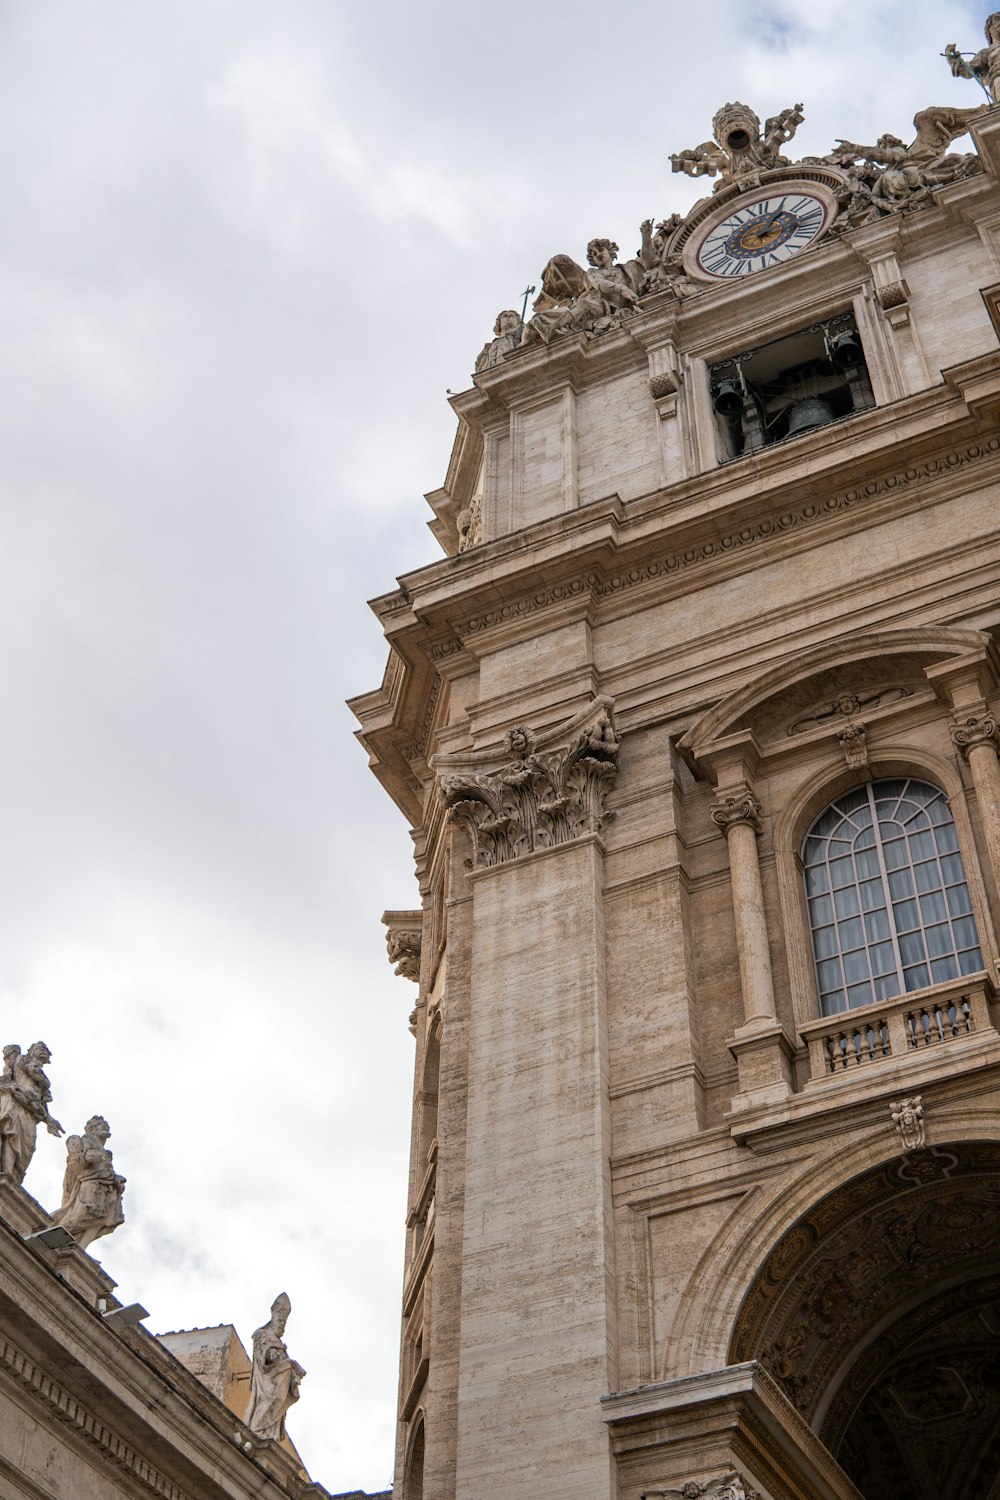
<point x="92" y="1189"/>
<point x="274" y="1379"/>
<point x="893" y="175"/>
<point x="985" y="66"/>
<point x="25" y="1096"/>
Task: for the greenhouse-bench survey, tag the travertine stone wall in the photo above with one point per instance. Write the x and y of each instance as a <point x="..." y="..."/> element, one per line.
<point x="537" y="1338"/>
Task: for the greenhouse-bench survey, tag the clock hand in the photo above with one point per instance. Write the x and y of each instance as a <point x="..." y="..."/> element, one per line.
<point x="766" y="228"/>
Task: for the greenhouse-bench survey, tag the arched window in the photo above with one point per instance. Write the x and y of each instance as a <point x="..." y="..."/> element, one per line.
<point x="889" y="904"/>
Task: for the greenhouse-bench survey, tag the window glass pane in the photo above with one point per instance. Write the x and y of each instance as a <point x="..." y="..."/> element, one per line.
<point x="946" y="838"/>
<point x="895" y="854"/>
<point x="966" y="935"/>
<point x="856" y="966"/>
<point x="932" y="907"/>
<point x="911" y="947"/>
<point x="959" y="901"/>
<point x="928" y="929"/>
<point x="877" y="926"/>
<point x="829" y="975"/>
<point x="825" y="943"/>
<point x="846" y="902"/>
<point x="939" y="940"/>
<point x="820" y="911"/>
<point x="883" y="958"/>
<point x="852" y="933"/>
<point x="921" y="847"/>
<point x="905" y="915"/>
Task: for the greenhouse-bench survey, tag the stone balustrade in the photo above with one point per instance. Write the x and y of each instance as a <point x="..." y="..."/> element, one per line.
<point x="898" y="1028"/>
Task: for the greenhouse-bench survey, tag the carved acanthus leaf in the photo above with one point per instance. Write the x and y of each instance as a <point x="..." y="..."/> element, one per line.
<point x="402" y="940"/>
<point x="538" y="799"/>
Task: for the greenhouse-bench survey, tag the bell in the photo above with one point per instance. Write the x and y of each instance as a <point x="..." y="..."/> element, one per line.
<point x="845" y="351"/>
<point x="729" y="398"/>
<point x="809" y="413"/>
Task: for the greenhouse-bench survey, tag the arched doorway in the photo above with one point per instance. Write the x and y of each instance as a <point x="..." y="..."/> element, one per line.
<point x="878" y="1314"/>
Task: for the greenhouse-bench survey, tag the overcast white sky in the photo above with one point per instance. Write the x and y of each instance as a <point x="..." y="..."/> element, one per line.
<point x="247" y="244"/>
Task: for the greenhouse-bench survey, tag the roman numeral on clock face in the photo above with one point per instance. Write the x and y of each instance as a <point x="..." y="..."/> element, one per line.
<point x="761" y="235"/>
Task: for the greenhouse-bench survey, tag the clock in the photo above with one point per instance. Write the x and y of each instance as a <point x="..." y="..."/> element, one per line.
<point x="760" y="233"/>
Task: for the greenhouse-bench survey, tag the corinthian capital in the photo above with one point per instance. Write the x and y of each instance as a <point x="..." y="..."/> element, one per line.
<point x="977" y="729"/>
<point x="732" y="812"/>
<point x="538" y="798"/>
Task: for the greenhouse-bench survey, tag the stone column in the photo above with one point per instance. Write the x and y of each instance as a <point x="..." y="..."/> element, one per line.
<point x="739" y="818"/>
<point x="965" y="684"/>
<point x="975" y="735"/>
<point x="762" y="1050"/>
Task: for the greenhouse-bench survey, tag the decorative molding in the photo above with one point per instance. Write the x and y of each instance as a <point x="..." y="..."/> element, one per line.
<point x="908" y="1118"/>
<point x="892" y="295"/>
<point x="735" y="541"/>
<point x="731" y="1486"/>
<point x="854" y="743"/>
<point x="537" y="800"/>
<point x="731" y="812"/>
<point x="404" y="933"/>
<point x="846" y="705"/>
<point x="978" y="729"/>
<point x="665" y="384"/>
<point x="72" y="1413"/>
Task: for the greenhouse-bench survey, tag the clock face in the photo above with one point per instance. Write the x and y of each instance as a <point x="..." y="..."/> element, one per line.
<point x="761" y="234"/>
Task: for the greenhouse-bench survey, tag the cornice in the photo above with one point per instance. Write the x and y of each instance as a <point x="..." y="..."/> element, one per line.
<point x="70" y="1412"/>
<point x="736" y="540"/>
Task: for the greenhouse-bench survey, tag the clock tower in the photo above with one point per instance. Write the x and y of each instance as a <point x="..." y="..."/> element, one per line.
<point x="695" y="725"/>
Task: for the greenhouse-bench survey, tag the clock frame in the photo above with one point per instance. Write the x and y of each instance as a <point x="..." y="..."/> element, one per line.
<point x="759" y="231"/>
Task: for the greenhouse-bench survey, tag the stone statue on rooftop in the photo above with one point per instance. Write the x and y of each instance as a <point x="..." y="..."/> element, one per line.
<point x="92" y="1189"/>
<point x="984" y="66"/>
<point x="892" y="175"/>
<point x="741" y="151"/>
<point x="275" y="1379"/>
<point x="25" y="1096"/>
<point x="506" y="338"/>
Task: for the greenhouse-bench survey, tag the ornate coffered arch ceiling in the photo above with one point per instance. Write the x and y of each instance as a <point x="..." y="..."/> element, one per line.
<point x="878" y="1314"/>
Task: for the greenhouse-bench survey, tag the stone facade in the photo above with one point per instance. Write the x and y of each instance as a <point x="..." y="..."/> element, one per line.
<point x="673" y="1228"/>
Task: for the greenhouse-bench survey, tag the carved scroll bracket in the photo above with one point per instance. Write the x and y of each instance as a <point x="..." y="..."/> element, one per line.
<point x="740" y="810"/>
<point x="853" y="739"/>
<point x="969" y="732"/>
<point x="404" y="930"/>
<point x="538" y="797"/>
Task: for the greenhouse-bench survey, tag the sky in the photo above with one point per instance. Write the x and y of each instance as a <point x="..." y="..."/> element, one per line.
<point x="248" y="245"/>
